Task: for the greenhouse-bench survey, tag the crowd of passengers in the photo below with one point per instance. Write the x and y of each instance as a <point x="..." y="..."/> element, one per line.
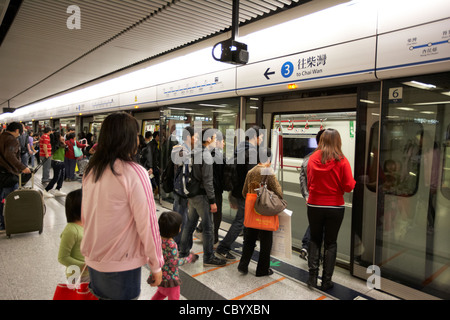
<point x="113" y="229"/>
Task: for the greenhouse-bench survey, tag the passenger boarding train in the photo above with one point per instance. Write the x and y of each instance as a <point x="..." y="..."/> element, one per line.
<point x="377" y="71"/>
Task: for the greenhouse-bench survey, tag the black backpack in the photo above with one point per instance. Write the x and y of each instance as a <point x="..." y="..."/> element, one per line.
<point x="185" y="184"/>
<point x="230" y="177"/>
<point x="167" y="177"/>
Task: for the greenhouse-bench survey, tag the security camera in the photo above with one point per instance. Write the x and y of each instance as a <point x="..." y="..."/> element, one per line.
<point x="233" y="52"/>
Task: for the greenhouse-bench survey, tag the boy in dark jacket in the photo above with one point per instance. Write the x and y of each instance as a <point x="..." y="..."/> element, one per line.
<point x="246" y="155"/>
<point x="202" y="203"/>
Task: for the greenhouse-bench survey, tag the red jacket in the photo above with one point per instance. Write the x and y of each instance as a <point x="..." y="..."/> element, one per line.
<point x="328" y="182"/>
<point x="70" y="154"/>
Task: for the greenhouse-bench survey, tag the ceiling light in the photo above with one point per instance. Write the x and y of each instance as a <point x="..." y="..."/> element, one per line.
<point x="406" y="109"/>
<point x="429" y="103"/>
<point x="181" y="109"/>
<point x="213" y="105"/>
<point x="367" y="101"/>
<point x="420" y="85"/>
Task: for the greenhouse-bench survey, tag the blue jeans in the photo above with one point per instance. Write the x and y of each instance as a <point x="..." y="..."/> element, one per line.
<point x="124" y="285"/>
<point x="180" y="205"/>
<point x="46" y="169"/>
<point x="198" y="207"/>
<point x="235" y="228"/>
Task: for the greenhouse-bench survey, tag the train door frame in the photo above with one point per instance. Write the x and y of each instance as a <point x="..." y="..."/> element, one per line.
<point x="416" y="285"/>
<point x="345" y="257"/>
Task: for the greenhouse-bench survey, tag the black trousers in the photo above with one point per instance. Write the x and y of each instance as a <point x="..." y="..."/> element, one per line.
<point x="250" y="237"/>
<point x="324" y="225"/>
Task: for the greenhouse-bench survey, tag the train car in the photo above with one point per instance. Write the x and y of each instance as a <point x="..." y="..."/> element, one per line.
<point x="377" y="71"/>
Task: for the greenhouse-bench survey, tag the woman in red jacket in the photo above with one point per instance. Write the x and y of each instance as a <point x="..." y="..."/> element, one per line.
<point x="69" y="159"/>
<point x="329" y="176"/>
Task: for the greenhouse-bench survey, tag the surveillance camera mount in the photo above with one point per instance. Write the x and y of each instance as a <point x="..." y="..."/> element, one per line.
<point x="233" y="52"/>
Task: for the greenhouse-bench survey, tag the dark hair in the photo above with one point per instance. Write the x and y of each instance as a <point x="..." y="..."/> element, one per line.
<point x="155" y="134"/>
<point x="318" y="135"/>
<point x="47" y="129"/>
<point x="208" y="133"/>
<point x="264" y="154"/>
<point x="254" y="131"/>
<point x="117" y="140"/>
<point x="73" y="206"/>
<point x="188" y="132"/>
<point x="148" y="135"/>
<point x="169" y="224"/>
<point x="70" y="136"/>
<point x="13" y="126"/>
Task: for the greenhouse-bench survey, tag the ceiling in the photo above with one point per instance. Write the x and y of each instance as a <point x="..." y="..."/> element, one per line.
<point x="41" y="56"/>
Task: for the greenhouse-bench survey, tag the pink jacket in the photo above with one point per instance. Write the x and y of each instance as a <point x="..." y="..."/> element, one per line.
<point x="120" y="224"/>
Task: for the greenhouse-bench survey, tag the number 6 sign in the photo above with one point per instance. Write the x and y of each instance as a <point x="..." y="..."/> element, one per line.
<point x="395" y="95"/>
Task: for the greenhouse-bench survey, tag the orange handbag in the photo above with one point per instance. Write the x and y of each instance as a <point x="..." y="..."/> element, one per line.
<point x="256" y="221"/>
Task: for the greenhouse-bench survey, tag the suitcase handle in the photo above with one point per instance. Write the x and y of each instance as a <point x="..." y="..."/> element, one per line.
<point x="33" y="172"/>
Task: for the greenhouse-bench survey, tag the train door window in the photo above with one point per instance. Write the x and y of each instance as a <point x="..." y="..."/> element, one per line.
<point x="221" y="114"/>
<point x="400" y="160"/>
<point x="445" y="183"/>
<point x="150" y="125"/>
<point x="412" y="240"/>
<point x="293" y="137"/>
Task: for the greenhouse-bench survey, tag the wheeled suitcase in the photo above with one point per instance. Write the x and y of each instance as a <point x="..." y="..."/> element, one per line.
<point x="24" y="209"/>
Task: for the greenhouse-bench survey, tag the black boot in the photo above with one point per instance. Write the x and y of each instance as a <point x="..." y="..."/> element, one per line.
<point x="329" y="261"/>
<point x="313" y="264"/>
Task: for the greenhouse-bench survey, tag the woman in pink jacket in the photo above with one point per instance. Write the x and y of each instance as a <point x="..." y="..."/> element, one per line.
<point x="121" y="231"/>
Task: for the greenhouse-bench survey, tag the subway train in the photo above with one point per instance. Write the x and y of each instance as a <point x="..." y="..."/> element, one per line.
<point x="377" y="71"/>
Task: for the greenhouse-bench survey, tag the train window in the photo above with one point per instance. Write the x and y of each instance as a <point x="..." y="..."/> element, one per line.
<point x="298" y="147"/>
<point x="400" y="158"/>
<point x="445" y="183"/>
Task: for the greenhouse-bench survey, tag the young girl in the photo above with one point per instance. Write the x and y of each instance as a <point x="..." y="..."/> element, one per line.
<point x="69" y="248"/>
<point x="169" y="226"/>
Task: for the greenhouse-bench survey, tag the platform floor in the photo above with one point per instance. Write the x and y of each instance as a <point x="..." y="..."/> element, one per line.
<point x="29" y="270"/>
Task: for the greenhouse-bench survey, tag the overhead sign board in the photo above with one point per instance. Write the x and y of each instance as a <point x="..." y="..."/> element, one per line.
<point x="210" y="86"/>
<point x="427" y="45"/>
<point x="339" y="64"/>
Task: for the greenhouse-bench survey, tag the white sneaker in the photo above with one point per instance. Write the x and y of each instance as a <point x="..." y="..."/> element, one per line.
<point x="59" y="193"/>
<point x="47" y="194"/>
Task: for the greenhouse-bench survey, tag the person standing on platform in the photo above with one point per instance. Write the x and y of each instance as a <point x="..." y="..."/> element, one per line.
<point x="253" y="181"/>
<point x="10" y="163"/>
<point x="329" y="177"/>
<point x="180" y="155"/>
<point x="304" y="192"/>
<point x="169" y="226"/>
<point x="45" y="152"/>
<point x="202" y="204"/>
<point x="121" y="232"/>
<point x="246" y="155"/>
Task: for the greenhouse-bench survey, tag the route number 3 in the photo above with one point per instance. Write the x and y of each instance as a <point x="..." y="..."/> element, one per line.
<point x="287" y="69"/>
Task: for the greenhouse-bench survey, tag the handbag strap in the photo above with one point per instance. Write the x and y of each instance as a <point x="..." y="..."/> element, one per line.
<point x="264" y="180"/>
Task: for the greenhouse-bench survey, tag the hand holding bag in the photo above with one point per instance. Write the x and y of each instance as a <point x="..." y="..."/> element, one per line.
<point x="267" y="202"/>
<point x="256" y="221"/>
<point x="78" y="291"/>
<point x="77" y="151"/>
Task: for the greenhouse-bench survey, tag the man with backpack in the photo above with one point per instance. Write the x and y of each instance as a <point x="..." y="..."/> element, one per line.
<point x="199" y="188"/>
<point x="180" y="156"/>
<point x="245" y="158"/>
